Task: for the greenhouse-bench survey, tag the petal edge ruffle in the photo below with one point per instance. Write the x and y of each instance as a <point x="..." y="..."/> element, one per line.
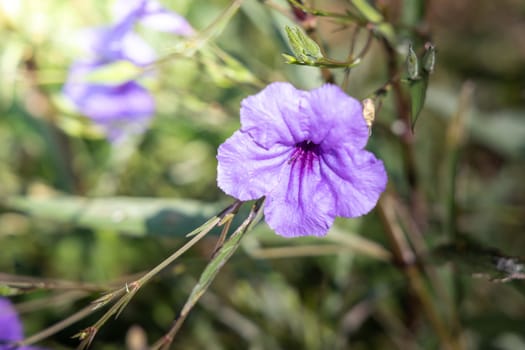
<point x="356" y="178"/>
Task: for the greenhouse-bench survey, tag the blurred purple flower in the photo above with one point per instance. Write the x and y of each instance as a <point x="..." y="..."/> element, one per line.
<point x="11" y="327"/>
<point x="126" y="107"/>
<point x="120" y="42"/>
<point x="303" y="150"/>
<point x="120" y="109"/>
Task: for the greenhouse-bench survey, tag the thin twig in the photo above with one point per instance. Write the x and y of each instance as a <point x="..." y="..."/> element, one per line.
<point x="29" y="283"/>
<point x="57" y="327"/>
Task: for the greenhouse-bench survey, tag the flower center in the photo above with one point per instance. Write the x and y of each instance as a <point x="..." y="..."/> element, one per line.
<point x="304" y="152"/>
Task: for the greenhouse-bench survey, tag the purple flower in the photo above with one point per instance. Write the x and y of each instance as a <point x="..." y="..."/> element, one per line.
<point x="10" y="327"/>
<point x="303" y="150"/>
<point x="120" y="42"/>
<point x="121" y="108"/>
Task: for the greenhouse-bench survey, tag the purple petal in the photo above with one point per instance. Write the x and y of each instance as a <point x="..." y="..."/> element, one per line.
<point x="119" y="109"/>
<point x="119" y="42"/>
<point x="170" y="22"/>
<point x="273" y="115"/>
<point x="122" y="9"/>
<point x="108" y="41"/>
<point x="136" y="50"/>
<point x="356" y="179"/>
<point x="153" y="15"/>
<point x="102" y="102"/>
<point x="125" y="101"/>
<point x="10" y="326"/>
<point x="247" y="171"/>
<point x="301" y="204"/>
<point x="335" y="118"/>
<point x="112" y="44"/>
<point x="122" y="109"/>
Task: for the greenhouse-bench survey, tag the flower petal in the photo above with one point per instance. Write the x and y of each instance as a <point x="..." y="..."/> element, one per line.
<point x="153" y="15"/>
<point x="356" y="178"/>
<point x="247" y="171"/>
<point x="118" y="43"/>
<point x="106" y="102"/>
<point x="273" y="115"/>
<point x="136" y="50"/>
<point x="119" y="109"/>
<point x="10" y="326"/>
<point x="107" y="43"/>
<point x="302" y="203"/>
<point x="122" y="9"/>
<point x="334" y="118"/>
<point x="166" y="21"/>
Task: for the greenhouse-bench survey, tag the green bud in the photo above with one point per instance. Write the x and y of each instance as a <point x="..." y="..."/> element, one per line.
<point x="412" y="64"/>
<point x="429" y="59"/>
<point x="305" y="49"/>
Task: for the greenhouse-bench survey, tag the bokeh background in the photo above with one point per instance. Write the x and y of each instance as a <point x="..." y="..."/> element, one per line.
<point x="145" y="195"/>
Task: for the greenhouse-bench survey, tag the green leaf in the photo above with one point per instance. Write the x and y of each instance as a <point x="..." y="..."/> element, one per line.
<point x="221" y="257"/>
<point x="213" y="268"/>
<point x="134" y="216"/>
<point x="417" y="92"/>
<point x="114" y="73"/>
<point x="304" y="48"/>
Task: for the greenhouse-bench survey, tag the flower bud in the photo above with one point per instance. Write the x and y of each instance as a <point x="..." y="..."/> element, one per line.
<point x="412" y="64"/>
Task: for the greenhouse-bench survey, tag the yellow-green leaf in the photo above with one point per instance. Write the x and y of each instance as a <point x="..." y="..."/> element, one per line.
<point x="114" y="73"/>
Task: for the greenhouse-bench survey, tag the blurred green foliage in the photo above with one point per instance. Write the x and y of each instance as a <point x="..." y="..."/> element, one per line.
<point x="145" y="195"/>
